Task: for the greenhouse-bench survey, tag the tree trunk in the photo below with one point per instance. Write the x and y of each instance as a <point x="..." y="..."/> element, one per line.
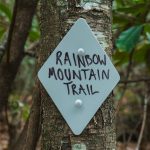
<point x="56" y="17"/>
<point x="20" y="26"/>
<point x="18" y="32"/>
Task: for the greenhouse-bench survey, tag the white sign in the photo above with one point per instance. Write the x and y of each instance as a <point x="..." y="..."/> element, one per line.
<point x="78" y="76"/>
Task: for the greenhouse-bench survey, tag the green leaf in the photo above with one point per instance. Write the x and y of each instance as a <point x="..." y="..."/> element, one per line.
<point x="5" y="9"/>
<point x="129" y="38"/>
<point x="147" y="27"/>
<point x="35" y="31"/>
<point x="25" y="111"/>
<point x="117" y="4"/>
<point x="34" y="35"/>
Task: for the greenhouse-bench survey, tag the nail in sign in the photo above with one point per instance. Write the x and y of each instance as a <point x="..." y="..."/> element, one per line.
<point x="78" y="76"/>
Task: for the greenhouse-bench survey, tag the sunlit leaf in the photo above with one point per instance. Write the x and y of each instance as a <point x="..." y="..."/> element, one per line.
<point x="117" y="4"/>
<point x="34" y="35"/>
<point x="4" y="10"/>
<point x="147" y="27"/>
<point x="25" y="111"/>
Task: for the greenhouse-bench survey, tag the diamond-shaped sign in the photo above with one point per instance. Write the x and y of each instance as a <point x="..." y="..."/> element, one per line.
<point x="78" y="76"/>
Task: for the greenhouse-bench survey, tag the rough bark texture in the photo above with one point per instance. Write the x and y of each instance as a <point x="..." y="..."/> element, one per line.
<point x="33" y="131"/>
<point x="21" y="141"/>
<point x="56" y="18"/>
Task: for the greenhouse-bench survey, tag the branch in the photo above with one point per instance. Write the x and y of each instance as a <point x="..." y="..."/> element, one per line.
<point x="134" y="81"/>
<point x="144" y="120"/>
<point x="30" y="54"/>
<point x="131" y="19"/>
<point x="125" y="84"/>
<point x="32" y="50"/>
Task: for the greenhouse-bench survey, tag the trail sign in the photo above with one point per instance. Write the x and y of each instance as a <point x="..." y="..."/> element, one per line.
<point x="78" y="76"/>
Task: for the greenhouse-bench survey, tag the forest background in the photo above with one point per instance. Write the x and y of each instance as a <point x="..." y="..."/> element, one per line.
<point x="131" y="57"/>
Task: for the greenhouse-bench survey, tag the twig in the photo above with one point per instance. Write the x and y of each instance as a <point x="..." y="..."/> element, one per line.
<point x="144" y="121"/>
<point x="131" y="134"/>
<point x="30" y="54"/>
<point x="34" y="46"/>
<point x="134" y="81"/>
<point x="125" y="84"/>
<point x="130" y="18"/>
<point x="32" y="50"/>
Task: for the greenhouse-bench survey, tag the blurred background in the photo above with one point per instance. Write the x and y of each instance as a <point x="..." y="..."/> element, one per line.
<point x="131" y="56"/>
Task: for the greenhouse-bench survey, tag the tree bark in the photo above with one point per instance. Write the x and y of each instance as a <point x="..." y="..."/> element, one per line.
<point x="19" y="29"/>
<point x="22" y="20"/>
<point x="34" y="126"/>
<point x="56" y="17"/>
<point x="21" y="141"/>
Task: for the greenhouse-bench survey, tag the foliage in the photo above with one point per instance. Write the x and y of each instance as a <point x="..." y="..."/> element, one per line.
<point x="131" y="28"/>
<point x="129" y="38"/>
<point x="131" y="21"/>
<point x="18" y="109"/>
<point x="5" y="18"/>
<point x="6" y="9"/>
